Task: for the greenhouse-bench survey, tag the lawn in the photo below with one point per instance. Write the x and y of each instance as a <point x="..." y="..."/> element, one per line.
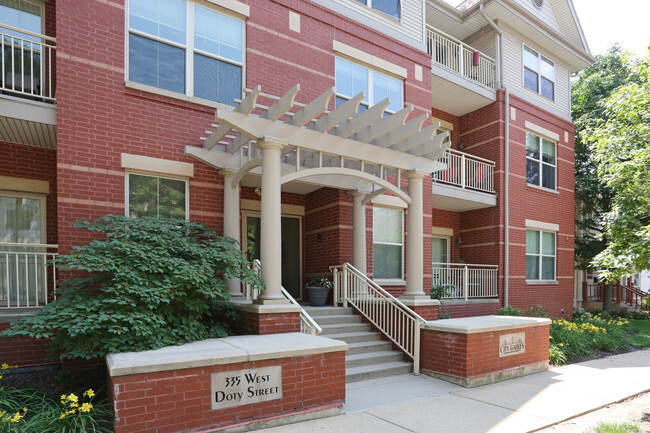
<point x="642" y="339"/>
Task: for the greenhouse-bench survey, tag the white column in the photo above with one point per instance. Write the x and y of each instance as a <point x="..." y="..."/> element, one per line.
<point x="415" y="233"/>
<point x="358" y="231"/>
<point x="231" y="223"/>
<point x="271" y="222"/>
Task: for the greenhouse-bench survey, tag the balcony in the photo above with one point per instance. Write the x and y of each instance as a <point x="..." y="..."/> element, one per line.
<point x="463" y="79"/>
<point x="466" y="184"/>
<point x="25" y="277"/>
<point x="27" y="88"/>
<point x="464" y="281"/>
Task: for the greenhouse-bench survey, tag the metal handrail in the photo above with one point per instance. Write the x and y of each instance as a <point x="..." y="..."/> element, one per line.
<point x="307" y="324"/>
<point x="466" y="171"/>
<point x="388" y="314"/>
<point x="464" y="281"/>
<point x="24" y="277"/>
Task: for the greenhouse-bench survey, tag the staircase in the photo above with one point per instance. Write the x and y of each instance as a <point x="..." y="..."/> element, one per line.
<point x="368" y="356"/>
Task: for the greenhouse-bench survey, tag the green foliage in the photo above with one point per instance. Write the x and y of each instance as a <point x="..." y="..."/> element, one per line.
<point x="621" y="147"/>
<point x="556" y="356"/>
<point x="641" y="333"/>
<point x="582" y="336"/>
<point x="508" y="311"/>
<point x="637" y="315"/>
<point x="443" y="316"/>
<point x="440" y="291"/>
<point x="617" y="428"/>
<point x="321" y="281"/>
<point x="589" y="93"/>
<point x="537" y="311"/>
<point x="146" y="284"/>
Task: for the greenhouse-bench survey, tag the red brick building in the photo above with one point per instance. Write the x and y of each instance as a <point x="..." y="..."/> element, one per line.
<point x="461" y="180"/>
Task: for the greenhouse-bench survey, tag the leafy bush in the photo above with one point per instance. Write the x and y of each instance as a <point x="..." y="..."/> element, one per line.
<point x="442" y="316"/>
<point x="439" y="292"/>
<point x="508" y="311"/>
<point x="537" y="311"/>
<point x="584" y="335"/>
<point x="321" y="281"/>
<point x="148" y="283"/>
<point x="556" y="356"/>
<point x="636" y="315"/>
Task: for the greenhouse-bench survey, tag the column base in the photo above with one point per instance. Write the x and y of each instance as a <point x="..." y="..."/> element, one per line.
<point x="422" y="305"/>
<point x="262" y="319"/>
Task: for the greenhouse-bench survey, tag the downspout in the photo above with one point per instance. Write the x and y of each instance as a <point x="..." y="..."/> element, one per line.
<point x="506" y="169"/>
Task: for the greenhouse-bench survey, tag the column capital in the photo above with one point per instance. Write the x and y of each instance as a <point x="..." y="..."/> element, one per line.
<point x="228" y="172"/>
<point x="357" y="193"/>
<point x="270" y="142"/>
<point x="415" y="174"/>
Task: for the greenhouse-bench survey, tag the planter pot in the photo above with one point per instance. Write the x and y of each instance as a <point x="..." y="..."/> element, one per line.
<point x="318" y="295"/>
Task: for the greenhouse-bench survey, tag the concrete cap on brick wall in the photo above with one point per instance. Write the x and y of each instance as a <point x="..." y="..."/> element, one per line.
<point x="221" y="351"/>
<point x="473" y="325"/>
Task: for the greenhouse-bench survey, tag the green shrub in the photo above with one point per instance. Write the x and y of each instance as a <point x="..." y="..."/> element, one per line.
<point x="442" y="316"/>
<point x="439" y="292"/>
<point x="146" y="284"/>
<point x="508" y="311"/>
<point x="556" y="355"/>
<point x="537" y="311"/>
<point x="582" y="336"/>
<point x="636" y="315"/>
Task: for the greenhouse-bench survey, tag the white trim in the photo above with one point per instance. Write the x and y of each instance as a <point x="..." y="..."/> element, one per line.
<point x="540" y="225"/>
<point x="389" y="201"/>
<point x="42" y="207"/>
<point x="149" y="174"/>
<point x="370" y="60"/>
<point x="389" y="281"/>
<point x="287" y="209"/>
<point x="546" y="133"/>
<point x="540" y="56"/>
<point x="157" y="165"/>
<point x="233" y="6"/>
<point x="400" y="279"/>
<point x="24" y="185"/>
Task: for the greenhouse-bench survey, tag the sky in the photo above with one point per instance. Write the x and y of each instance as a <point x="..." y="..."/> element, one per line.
<point x="607" y="21"/>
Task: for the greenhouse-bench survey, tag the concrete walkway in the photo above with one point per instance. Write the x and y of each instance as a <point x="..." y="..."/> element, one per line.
<point x="410" y="403"/>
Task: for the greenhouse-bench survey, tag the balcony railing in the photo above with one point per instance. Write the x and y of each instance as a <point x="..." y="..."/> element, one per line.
<point x="465" y="281"/>
<point x="621" y="293"/>
<point x="466" y="171"/>
<point x="25" y="277"/>
<point x="27" y="64"/>
<point x="451" y="53"/>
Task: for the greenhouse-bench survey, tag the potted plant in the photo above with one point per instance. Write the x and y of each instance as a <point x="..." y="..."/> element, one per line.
<point x="319" y="289"/>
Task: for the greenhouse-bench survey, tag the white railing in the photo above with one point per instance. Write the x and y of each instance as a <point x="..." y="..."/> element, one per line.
<point x="307" y="324"/>
<point x="461" y="58"/>
<point x="27" y="63"/>
<point x="25" y="277"/>
<point x="466" y="171"/>
<point x="465" y="281"/>
<point x="394" y="319"/>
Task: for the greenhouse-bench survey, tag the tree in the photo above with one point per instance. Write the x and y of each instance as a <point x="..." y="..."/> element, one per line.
<point x="589" y="93"/>
<point x="148" y="283"/>
<point x="621" y="146"/>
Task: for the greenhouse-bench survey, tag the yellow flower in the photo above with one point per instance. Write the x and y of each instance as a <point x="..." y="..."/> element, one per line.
<point x="550" y="337"/>
<point x="561" y="345"/>
<point x="90" y="393"/>
<point x="85" y="407"/>
<point x="4" y="366"/>
<point x="73" y="398"/>
<point x="62" y="415"/>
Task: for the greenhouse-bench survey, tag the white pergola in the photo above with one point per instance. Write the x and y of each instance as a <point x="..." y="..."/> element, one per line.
<point x="363" y="152"/>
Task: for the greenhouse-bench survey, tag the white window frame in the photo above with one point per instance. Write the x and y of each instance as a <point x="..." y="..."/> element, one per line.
<point x="42" y="198"/>
<point x="541" y="162"/>
<point x="541" y="255"/>
<point x="370" y="80"/>
<point x="448" y="239"/>
<point x="399" y="7"/>
<point x="41" y="6"/>
<point x="189" y="53"/>
<point x="400" y="279"/>
<point x="157" y="175"/>
<point x="540" y="57"/>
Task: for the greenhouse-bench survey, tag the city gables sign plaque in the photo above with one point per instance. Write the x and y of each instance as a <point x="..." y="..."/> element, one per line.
<point x="512" y="344"/>
<point x="239" y="387"/>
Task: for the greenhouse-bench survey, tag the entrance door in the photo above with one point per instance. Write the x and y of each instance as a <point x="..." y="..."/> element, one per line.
<point x="291" y="248"/>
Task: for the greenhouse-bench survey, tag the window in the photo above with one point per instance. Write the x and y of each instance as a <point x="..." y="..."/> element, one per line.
<point x="156" y="197"/>
<point x="186" y="48"/>
<point x="387" y="227"/>
<point x="351" y="79"/>
<point x="389" y="7"/>
<point x="440" y="250"/>
<point x="540" y="255"/>
<point x="539" y="73"/>
<point x="540" y="161"/>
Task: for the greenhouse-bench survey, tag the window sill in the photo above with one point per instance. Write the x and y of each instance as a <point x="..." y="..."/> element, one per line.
<point x="389" y="281"/>
<point x="538" y="94"/>
<point x="174" y="95"/>
<point x="542" y="282"/>
<point x="541" y="188"/>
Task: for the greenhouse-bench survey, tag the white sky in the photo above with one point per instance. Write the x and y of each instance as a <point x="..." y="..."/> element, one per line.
<point x="606" y="21"/>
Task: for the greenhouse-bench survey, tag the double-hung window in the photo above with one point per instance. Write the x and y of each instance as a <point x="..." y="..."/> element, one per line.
<point x="186" y="48"/>
<point x="389" y="7"/>
<point x="540" y="161"/>
<point x="155" y="196"/>
<point x="539" y="73"/>
<point x="388" y="243"/>
<point x="540" y="255"/>
<point x="351" y="79"/>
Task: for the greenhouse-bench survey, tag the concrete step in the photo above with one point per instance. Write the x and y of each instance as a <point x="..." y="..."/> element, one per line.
<point x="355" y="337"/>
<point x="368" y="347"/>
<point x="326" y="311"/>
<point x="372" y="358"/>
<point x="333" y="320"/>
<point x="343" y="328"/>
<point x="367" y="372"/>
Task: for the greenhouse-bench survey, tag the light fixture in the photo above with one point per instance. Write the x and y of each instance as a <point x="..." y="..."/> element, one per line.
<point x="258" y="190"/>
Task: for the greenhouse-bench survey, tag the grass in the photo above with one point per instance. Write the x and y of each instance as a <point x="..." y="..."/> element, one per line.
<point x="616" y="428"/>
<point x="642" y="339"/>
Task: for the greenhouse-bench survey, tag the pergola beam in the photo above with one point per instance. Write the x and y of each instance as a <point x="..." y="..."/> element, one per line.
<point x="340" y="114"/>
<point x="406" y="131"/>
<point x="383" y="126"/>
<point x="362" y="120"/>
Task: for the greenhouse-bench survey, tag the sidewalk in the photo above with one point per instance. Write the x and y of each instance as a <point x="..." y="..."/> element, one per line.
<point x="410" y="403"/>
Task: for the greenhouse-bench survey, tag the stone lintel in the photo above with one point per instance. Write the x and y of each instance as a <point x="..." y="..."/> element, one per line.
<point x="270" y="308"/>
<point x="475" y="325"/>
<point x="419" y="301"/>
